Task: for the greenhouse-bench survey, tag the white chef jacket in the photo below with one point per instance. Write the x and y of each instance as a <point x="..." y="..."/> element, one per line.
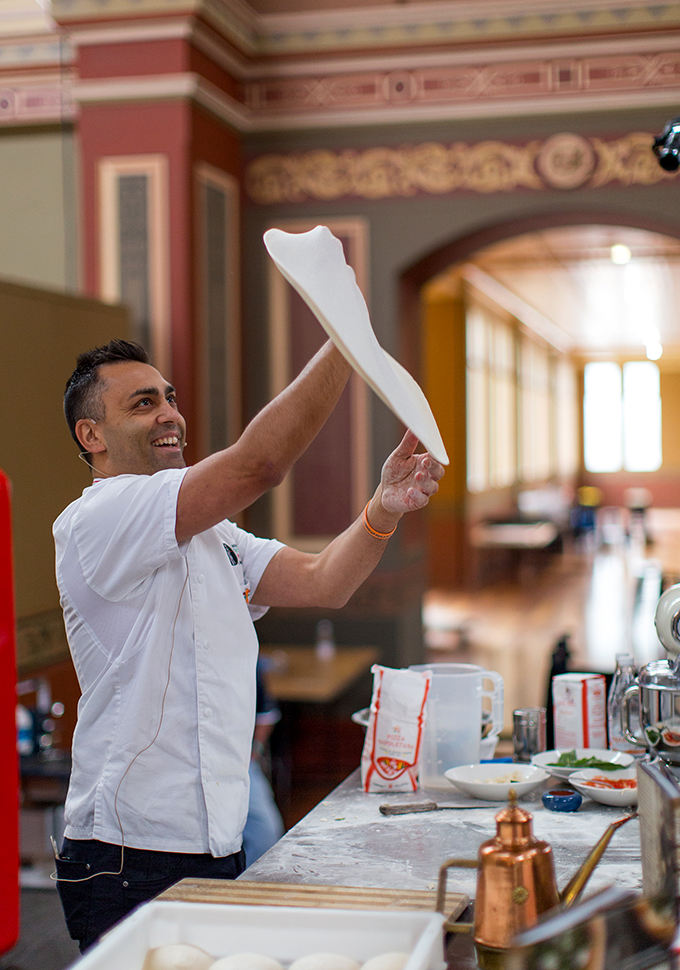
<point x="163" y="643"/>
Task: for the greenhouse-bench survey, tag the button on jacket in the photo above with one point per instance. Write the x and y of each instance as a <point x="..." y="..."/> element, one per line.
<point x="163" y="643"/>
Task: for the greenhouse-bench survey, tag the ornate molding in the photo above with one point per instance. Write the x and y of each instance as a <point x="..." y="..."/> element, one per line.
<point x="36" y="101"/>
<point x="398" y="26"/>
<point x="423" y="84"/>
<point x="456" y="86"/>
<point x="36" y="51"/>
<point x="561" y="162"/>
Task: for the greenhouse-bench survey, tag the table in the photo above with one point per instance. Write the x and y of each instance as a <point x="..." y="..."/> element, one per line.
<point x="346" y="841"/>
<point x="297" y="674"/>
<point x="514" y="535"/>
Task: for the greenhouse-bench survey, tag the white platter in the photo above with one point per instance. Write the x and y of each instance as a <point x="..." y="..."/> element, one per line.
<point x="606" y="796"/>
<point x="543" y="760"/>
<point x="475" y="780"/>
<point x="282" y="932"/>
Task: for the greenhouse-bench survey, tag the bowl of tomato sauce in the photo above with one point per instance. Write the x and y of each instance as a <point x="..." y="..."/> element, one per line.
<point x="607" y="787"/>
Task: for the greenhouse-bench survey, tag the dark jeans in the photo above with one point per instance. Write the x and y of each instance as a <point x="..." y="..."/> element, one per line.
<point x="94" y="905"/>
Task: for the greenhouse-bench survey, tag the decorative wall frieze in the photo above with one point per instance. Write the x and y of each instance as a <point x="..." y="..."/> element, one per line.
<point x="398" y="26"/>
<point x="38" y="100"/>
<point x="601" y="73"/>
<point x="36" y="51"/>
<point x="565" y="161"/>
<point x="464" y="87"/>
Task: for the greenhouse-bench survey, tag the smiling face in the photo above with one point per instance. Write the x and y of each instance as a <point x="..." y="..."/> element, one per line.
<point x="142" y="430"/>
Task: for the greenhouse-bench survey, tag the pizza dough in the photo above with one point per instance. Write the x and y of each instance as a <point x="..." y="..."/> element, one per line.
<point x="314" y="264"/>
<point x="387" y="961"/>
<point x="325" y="961"/>
<point x="177" y="956"/>
<point x="247" y="961"/>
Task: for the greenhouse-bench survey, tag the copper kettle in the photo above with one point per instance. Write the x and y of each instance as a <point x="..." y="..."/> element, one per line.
<point x="516" y="883"/>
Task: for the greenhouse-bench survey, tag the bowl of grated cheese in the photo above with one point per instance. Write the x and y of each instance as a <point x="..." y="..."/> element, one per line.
<point x="492" y="782"/>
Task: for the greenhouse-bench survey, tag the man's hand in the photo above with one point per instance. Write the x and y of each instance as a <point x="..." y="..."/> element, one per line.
<point x="408" y="480"/>
<point x="328" y="578"/>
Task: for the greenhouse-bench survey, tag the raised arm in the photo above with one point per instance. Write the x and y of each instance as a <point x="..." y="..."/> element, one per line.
<point x="329" y="578"/>
<point x="223" y="484"/>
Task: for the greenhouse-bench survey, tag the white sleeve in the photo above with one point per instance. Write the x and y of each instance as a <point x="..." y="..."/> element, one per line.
<point x="125" y="530"/>
<point x="254" y="555"/>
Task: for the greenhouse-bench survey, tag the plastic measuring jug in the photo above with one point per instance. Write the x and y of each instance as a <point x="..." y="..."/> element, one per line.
<point x="453" y="729"/>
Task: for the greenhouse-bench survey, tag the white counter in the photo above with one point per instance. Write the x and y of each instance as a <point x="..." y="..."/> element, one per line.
<point x="346" y="841"/>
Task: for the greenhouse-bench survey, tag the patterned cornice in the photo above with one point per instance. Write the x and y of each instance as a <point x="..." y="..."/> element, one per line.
<point x="36" y="99"/>
<point x="460" y="90"/>
<point x="566" y="161"/>
<point x="34" y="51"/>
<point x="578" y="74"/>
<point x="374" y="97"/>
<point x="390" y="27"/>
<point x="506" y="21"/>
<point x="234" y="20"/>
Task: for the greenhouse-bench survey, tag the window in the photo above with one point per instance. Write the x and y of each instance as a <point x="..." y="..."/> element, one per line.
<point x="134" y="247"/>
<point x="217" y="244"/>
<point x="622" y="417"/>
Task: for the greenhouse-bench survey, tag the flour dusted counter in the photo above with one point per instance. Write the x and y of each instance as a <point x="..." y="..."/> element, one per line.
<point x="346" y="854"/>
<point x="345" y="841"/>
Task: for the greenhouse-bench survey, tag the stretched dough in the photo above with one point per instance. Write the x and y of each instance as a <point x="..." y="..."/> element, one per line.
<point x="314" y="264"/>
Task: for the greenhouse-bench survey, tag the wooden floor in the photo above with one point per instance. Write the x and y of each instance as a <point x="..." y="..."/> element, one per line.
<point x="601" y="591"/>
<point x="44" y="943"/>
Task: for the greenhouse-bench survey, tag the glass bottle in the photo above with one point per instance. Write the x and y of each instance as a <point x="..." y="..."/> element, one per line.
<point x="624" y="676"/>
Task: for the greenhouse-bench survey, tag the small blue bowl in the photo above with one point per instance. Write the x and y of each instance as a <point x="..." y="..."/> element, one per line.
<point x="562" y="800"/>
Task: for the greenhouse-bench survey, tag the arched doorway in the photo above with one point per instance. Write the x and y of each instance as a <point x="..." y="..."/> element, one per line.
<point x="437" y="340"/>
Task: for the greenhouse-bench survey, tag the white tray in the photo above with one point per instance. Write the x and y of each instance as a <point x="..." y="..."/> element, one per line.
<point x="282" y="932"/>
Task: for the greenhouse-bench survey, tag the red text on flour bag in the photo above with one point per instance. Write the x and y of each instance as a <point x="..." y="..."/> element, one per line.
<point x="391" y="754"/>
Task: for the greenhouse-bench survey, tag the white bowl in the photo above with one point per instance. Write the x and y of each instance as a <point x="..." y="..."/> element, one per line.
<point x="544" y="759"/>
<point x="606" y="796"/>
<point x="477" y="780"/>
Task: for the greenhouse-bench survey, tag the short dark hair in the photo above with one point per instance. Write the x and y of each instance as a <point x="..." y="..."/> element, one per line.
<point x="82" y="395"/>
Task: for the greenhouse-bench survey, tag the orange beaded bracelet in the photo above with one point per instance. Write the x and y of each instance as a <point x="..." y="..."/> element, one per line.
<point x="373" y="532"/>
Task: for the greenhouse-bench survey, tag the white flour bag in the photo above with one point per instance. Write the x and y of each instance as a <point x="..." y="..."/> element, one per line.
<point x="391" y="754"/>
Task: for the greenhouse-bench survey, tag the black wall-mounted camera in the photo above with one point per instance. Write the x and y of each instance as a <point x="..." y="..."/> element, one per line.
<point x="667" y="146"/>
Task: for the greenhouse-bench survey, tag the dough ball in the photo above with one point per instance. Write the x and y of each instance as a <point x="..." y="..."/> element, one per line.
<point x="177" y="956"/>
<point x="247" y="961"/>
<point x="325" y="961"/>
<point x="387" y="961"/>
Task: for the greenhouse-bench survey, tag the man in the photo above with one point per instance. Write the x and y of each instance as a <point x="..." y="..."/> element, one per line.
<point x="159" y="591"/>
